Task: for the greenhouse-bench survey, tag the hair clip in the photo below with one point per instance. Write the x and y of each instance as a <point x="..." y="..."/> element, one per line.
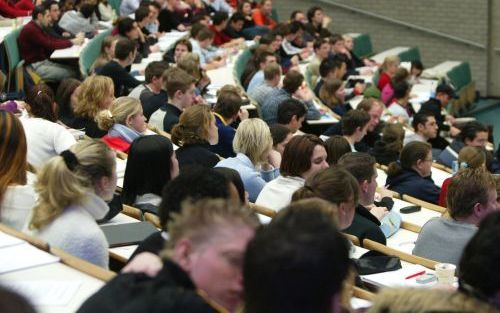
<point x="69" y="159"/>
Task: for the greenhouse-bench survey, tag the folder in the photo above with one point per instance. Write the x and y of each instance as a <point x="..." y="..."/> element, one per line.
<point x="127" y="234"/>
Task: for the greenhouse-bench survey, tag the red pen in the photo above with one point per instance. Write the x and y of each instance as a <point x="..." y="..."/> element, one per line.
<point x="415" y="275"/>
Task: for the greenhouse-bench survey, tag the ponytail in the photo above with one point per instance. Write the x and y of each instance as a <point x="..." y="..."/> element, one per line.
<point x="105" y="120"/>
<point x="121" y="109"/>
<point x="394" y="169"/>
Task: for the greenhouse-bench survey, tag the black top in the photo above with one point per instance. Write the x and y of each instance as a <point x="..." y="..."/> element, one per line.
<point x="317" y="32"/>
<point x="89" y="125"/>
<point x="433" y="105"/>
<point x="365" y="225"/>
<point x="168" y="21"/>
<point x="196" y="154"/>
<point x="152" y="101"/>
<point x="365" y="144"/>
<point x="171" y="117"/>
<point x="123" y="81"/>
<point x="382" y="154"/>
<point x="154" y="243"/>
<point x="170" y="291"/>
<point x="231" y="32"/>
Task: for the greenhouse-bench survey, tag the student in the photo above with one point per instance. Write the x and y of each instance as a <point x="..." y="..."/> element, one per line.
<point x="389" y="147"/>
<point x="254" y="159"/>
<point x="82" y="20"/>
<point x="125" y="51"/>
<point x="272" y="79"/>
<point x="147" y="172"/>
<point x="17" y="198"/>
<point x="227" y="110"/>
<point x="16" y="9"/>
<point x="416" y="70"/>
<point x="106" y="55"/>
<point x="387" y="94"/>
<point x="473" y="134"/>
<point x="353" y="60"/>
<point x="190" y="63"/>
<point x="36" y="46"/>
<point x="194" y="133"/>
<point x="321" y="50"/>
<point x="332" y="94"/>
<point x="66" y="99"/>
<point x="281" y="137"/>
<point x="263" y="58"/>
<point x="44" y="136"/>
<point x="412" y="174"/>
<point x="124" y="122"/>
<point x="181" y="95"/>
<point x="292" y="114"/>
<point x="151" y="94"/>
<point x="143" y="18"/>
<point x="262" y="16"/>
<point x="221" y="39"/>
<point x="181" y="47"/>
<point x="387" y="71"/>
<point x="318" y="23"/>
<point x="300" y="253"/>
<point x="66" y="218"/>
<point x="209" y="59"/>
<point x="401" y="107"/>
<point x="336" y="147"/>
<point x="129" y="29"/>
<point x="53" y="28"/>
<point x="96" y="94"/>
<point x="424" y="126"/>
<point x="472" y="196"/>
<point x="303" y="156"/>
<point x="354" y="126"/>
<point x="330" y="68"/>
<point x="235" y="26"/>
<point x="106" y="11"/>
<point x="292" y="87"/>
<point x="291" y="54"/>
<point x="168" y="19"/>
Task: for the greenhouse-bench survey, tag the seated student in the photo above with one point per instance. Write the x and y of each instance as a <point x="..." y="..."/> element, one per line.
<point x="128" y="28"/>
<point x="250" y="30"/>
<point x="338" y="187"/>
<point x="289" y="53"/>
<point x="16" y="8"/>
<point x="412" y="174"/>
<point x="303" y="244"/>
<point x="181" y="95"/>
<point x="329" y="69"/>
<point x="146" y="173"/>
<point x="106" y="11"/>
<point x="190" y="63"/>
<point x="210" y="59"/>
<point x="416" y="70"/>
<point x="96" y="94"/>
<point x="168" y="18"/>
<point x="469" y="157"/>
<point x="272" y="79"/>
<point x="353" y="60"/>
<point x="304" y="155"/>
<point x="106" y="55"/>
<point x="354" y="126"/>
<point x="221" y="39"/>
<point x="373" y="220"/>
<point x="67" y="220"/>
<point x="317" y="23"/>
<point x="194" y="133"/>
<point x="82" y="20"/>
<point x="195" y="273"/>
<point x="263" y="58"/>
<point x="180" y="47"/>
<point x="387" y="94"/>
<point x="478" y="280"/>
<point x="332" y="94"/>
<point x="235" y="26"/>
<point x="36" y="46"/>
<point x="293" y="86"/>
<point x="254" y="160"/>
<point x="124" y="122"/>
<point x="401" y="107"/>
<point x="291" y="113"/>
<point x="387" y="71"/>
<point x="321" y="51"/>
<point x="281" y="137"/>
<point x="44" y="136"/>
<point x="472" y="134"/>
<point x="66" y="98"/>
<point x="143" y="18"/>
<point x="389" y="147"/>
<point x="125" y="51"/>
<point x="17" y="198"/>
<point x="471" y="197"/>
<point x="262" y="16"/>
<point x="151" y="94"/>
<point x="227" y="110"/>
<point x="336" y="147"/>
<point x="425" y="127"/>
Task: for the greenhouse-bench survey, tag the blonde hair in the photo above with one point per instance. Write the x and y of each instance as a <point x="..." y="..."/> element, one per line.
<point x="253" y="139"/>
<point x="474" y="157"/>
<point x="59" y="187"/>
<point x="193" y="126"/>
<point x="190" y="62"/>
<point x="199" y="221"/>
<point x="92" y="92"/>
<point x="121" y="109"/>
<point x="389" y="60"/>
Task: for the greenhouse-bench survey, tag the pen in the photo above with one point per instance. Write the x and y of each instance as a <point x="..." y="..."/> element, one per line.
<point x="415" y="275"/>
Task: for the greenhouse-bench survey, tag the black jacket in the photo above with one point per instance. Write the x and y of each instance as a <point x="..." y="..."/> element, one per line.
<point x="196" y="154"/>
<point x="123" y="81"/>
<point x="366" y="225"/>
<point x="365" y="144"/>
<point x="409" y="182"/>
<point x="170" y="291"/>
<point x="382" y="155"/>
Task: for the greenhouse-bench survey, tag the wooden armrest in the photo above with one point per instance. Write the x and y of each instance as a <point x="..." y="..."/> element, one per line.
<point x="121" y="155"/>
<point x="355" y="240"/>
<point x="132" y="212"/>
<point x="411" y="227"/>
<point x="83" y="266"/>
<point x="424" y="204"/>
<point x="40" y="244"/>
<point x="442" y="167"/>
<point x="153" y="219"/>
<point x="262" y="210"/>
<point x="363" y="294"/>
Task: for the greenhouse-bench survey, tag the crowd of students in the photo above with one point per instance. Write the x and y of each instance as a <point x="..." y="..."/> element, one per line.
<point x="197" y="166"/>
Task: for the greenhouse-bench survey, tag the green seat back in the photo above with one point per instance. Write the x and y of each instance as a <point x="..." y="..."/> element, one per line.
<point x="308" y="78"/>
<point x="460" y="76"/>
<point x="412" y="54"/>
<point x="12" y="49"/>
<point x="274" y="15"/>
<point x="241" y="62"/>
<point x="91" y="51"/>
<point x="362" y="46"/>
<point x="115" y="4"/>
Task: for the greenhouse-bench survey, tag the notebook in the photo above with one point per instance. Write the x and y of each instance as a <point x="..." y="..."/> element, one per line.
<point x="127" y="234"/>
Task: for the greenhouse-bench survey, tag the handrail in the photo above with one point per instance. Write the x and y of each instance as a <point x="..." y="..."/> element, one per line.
<point x="405" y="24"/>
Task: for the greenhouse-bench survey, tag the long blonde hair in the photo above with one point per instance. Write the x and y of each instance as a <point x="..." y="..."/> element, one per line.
<point x="59" y="187"/>
<point x="389" y="60"/>
<point x="121" y="109"/>
<point x="93" y="90"/>
<point x="253" y="139"/>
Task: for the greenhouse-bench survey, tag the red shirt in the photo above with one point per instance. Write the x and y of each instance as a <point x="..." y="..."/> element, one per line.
<point x="220" y="38"/>
<point x="383" y="80"/>
<point x="21" y="8"/>
<point x="35" y="45"/>
<point x="444" y="192"/>
<point x="261" y="19"/>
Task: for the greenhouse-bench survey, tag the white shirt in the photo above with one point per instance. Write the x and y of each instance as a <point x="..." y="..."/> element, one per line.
<point x="397" y="110"/>
<point x="45" y="139"/>
<point x="277" y="193"/>
<point x="17" y="205"/>
<point x="136" y="92"/>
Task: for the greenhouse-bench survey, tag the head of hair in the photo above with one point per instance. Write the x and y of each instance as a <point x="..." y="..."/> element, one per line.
<point x="388" y="61"/>
<point x="13" y="152"/>
<point x="155" y="69"/>
<point x="141" y="13"/>
<point x="279" y="133"/>
<point x="242" y="3"/>
<point x="420" y="118"/>
<point x="267" y="39"/>
<point x="401" y="89"/>
<point x="393" y="137"/>
<point x="121" y="109"/>
<point x="294" y="27"/>
<point x="198" y="17"/>
<point x="298" y="153"/>
<point x="411" y="153"/>
<point x="233" y="177"/>
<point x="185" y="42"/>
<point x="319" y="42"/>
<point x="336" y="147"/>
<point x="12" y="302"/>
<point x="219" y="17"/>
<point x="287" y="262"/>
<point x="335" y="185"/>
<point x="329" y="65"/>
<point x="334" y="38"/>
<point x="146" y="171"/>
<point x="237" y="17"/>
<point x="400" y="75"/>
<point x="417" y="64"/>
<point x="193" y="126"/>
<point x="294" y="14"/>
<point x="204" y="34"/>
<point x="354" y="119"/>
<point x="470" y="130"/>
<point x="474" y="157"/>
<point x="123" y="48"/>
<point x="63" y="96"/>
<point x="195" y="29"/>
<point x="271" y="71"/>
<point x="40" y="99"/>
<point x="92" y="92"/>
<point x="87" y="9"/>
<point x="327" y="92"/>
<point x="261" y="56"/>
<point x="253" y="139"/>
<point x="125" y="25"/>
<point x="311" y="12"/>
<point x="228" y="104"/>
<point x="290" y="108"/>
<point x="106" y="44"/>
<point x="292" y="81"/>
<point x="368" y="103"/>
<point x="39" y="9"/>
<point x="177" y="80"/>
<point x="360" y="165"/>
<point x="190" y="62"/>
<point x="58" y="187"/>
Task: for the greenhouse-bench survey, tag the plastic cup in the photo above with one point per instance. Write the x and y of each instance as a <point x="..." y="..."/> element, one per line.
<point x="445" y="273"/>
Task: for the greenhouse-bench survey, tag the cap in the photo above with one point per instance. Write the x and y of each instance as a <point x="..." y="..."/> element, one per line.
<point x="447" y="89"/>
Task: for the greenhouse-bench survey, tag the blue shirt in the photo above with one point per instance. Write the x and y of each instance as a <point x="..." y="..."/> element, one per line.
<point x="257" y="80"/>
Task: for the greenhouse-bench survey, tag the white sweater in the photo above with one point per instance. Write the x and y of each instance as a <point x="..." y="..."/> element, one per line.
<point x="76" y="231"/>
<point x="277" y="193"/>
<point x="17" y="204"/>
<point x="45" y="139"/>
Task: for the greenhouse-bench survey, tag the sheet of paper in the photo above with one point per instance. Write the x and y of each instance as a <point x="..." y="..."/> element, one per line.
<point x="45" y="293"/>
<point x="358" y="303"/>
<point x="397" y="278"/>
<point x="8" y="240"/>
<point x="23" y="256"/>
